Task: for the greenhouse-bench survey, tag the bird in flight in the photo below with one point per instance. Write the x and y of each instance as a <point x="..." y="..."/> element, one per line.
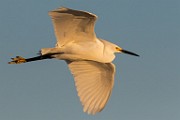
<point x="89" y="58"/>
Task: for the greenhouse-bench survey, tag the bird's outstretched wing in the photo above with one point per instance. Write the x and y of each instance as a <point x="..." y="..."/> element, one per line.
<point x="72" y="25"/>
<point x="94" y="82"/>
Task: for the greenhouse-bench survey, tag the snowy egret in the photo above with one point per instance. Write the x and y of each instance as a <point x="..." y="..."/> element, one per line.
<point x="89" y="58"/>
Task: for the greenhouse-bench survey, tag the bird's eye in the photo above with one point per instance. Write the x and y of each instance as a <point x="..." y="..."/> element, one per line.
<point x="118" y="49"/>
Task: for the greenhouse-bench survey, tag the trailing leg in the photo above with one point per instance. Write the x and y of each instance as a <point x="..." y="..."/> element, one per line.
<point x="19" y="59"/>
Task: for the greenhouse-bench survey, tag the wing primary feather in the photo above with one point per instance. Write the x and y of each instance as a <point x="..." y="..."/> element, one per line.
<point x="98" y="97"/>
<point x="90" y="92"/>
<point x="91" y="97"/>
<point x="86" y="92"/>
<point x="96" y="107"/>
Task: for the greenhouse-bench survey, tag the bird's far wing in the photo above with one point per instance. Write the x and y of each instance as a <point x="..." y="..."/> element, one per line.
<point x="72" y="25"/>
<point x="94" y="82"/>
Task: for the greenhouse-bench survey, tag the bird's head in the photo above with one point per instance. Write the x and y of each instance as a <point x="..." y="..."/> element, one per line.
<point x="113" y="48"/>
<point x="120" y="50"/>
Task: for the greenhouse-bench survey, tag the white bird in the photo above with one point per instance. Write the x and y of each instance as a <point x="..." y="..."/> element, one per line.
<point x="89" y="58"/>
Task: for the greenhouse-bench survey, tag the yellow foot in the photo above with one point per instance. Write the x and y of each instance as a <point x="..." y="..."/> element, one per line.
<point x="17" y="60"/>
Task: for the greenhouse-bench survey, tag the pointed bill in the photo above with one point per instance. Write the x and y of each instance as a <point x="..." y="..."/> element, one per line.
<point x="130" y="53"/>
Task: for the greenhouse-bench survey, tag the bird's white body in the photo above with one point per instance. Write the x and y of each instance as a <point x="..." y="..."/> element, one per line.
<point x="95" y="50"/>
<point x="88" y="57"/>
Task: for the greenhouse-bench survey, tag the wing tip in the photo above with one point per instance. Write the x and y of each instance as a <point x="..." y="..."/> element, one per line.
<point x="63" y="9"/>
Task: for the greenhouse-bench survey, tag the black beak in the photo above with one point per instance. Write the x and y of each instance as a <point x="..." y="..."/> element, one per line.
<point x="130" y="53"/>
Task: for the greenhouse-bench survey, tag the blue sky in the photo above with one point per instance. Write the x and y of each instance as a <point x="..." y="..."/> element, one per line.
<point x="146" y="88"/>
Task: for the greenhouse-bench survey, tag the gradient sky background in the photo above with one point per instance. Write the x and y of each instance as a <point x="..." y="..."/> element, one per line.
<point x="146" y="88"/>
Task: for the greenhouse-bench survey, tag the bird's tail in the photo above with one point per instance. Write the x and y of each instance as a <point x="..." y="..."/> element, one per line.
<point x="45" y="51"/>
